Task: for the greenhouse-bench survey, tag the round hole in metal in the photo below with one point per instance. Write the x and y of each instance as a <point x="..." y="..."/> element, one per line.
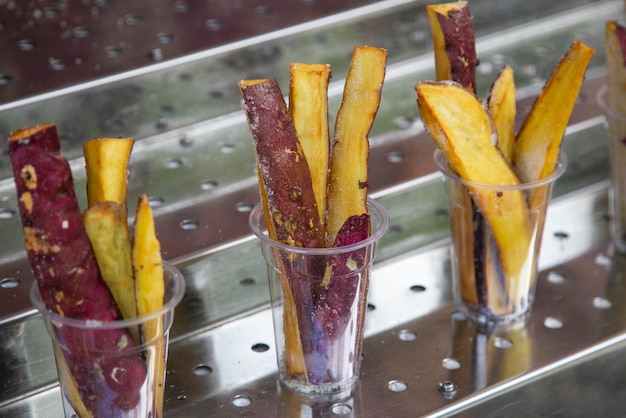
<point x="561" y="235"/>
<point x="602" y="303"/>
<point x="552" y="322"/>
<point x="228" y="148"/>
<point x="407" y="335"/>
<point x="244" y="207"/>
<point x="155" y="201"/>
<point x="213" y="24"/>
<point x="418" y="288"/>
<point x="242" y="401"/>
<point x="208" y="185"/>
<point x="9" y="283"/>
<point x="248" y="281"/>
<point x="450" y="363"/>
<point x="27" y="44"/>
<point x="341" y="409"/>
<point x="112" y="51"/>
<point x="371" y="307"/>
<point x="174" y="163"/>
<point x="81" y="32"/>
<point x="181" y="6"/>
<point x="397" y="386"/>
<point x="555" y="277"/>
<point x="260" y="347"/>
<point x="165" y="38"/>
<point x="6" y="213"/>
<point x="189" y="224"/>
<point x="603" y="260"/>
<point x="202" y="370"/>
<point x="503" y="343"/>
<point x="57" y="64"/>
<point x="395" y="157"/>
<point x="5" y="79"/>
<point x="186" y="141"/>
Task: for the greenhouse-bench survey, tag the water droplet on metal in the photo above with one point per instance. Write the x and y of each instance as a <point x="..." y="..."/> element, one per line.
<point x="395" y="157"/>
<point x="57" y="64"/>
<point x="27" y="45"/>
<point x="213" y="25"/>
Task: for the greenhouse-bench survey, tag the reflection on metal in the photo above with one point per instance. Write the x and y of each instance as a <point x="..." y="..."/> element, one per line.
<point x="194" y="158"/>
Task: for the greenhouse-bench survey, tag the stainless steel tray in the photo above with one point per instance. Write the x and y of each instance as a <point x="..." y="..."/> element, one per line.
<point x="194" y="158"/>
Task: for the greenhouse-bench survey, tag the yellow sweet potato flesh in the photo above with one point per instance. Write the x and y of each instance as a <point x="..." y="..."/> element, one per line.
<point x="108" y="233"/>
<point x="458" y="122"/>
<point x="348" y="178"/>
<point x="502" y="109"/>
<point x="106" y="162"/>
<point x="308" y="106"/>
<point x="150" y="289"/>
<point x="538" y="143"/>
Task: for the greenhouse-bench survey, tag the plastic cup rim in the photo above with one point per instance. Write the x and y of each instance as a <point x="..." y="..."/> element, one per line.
<point x="256" y="216"/>
<point x="169" y="306"/>
<point x="440" y="161"/>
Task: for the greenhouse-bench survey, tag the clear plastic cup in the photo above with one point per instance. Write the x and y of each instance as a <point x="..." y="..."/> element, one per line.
<point x="494" y="274"/>
<point x="103" y="371"/>
<point x="319" y="300"/>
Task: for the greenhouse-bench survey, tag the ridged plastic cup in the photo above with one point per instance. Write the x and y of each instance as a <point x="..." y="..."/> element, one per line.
<point x="318" y="317"/>
<point x="78" y="350"/>
<point x="488" y="287"/>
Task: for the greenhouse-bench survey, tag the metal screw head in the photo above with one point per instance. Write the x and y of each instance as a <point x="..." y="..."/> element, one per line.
<point x="447" y="389"/>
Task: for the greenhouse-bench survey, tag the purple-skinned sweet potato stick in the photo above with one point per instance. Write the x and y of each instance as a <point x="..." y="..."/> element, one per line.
<point x="67" y="274"/>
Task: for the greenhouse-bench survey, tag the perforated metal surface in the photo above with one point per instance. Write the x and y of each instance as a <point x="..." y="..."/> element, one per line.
<point x="194" y="158"/>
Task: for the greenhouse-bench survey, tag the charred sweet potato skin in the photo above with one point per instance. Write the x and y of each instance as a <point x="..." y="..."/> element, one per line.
<point x="283" y="168"/>
<point x="66" y="270"/>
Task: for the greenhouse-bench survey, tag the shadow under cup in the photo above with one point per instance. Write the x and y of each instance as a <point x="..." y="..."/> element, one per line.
<point x="496" y="234"/>
<point x="319" y="301"/>
<point x="105" y="368"/>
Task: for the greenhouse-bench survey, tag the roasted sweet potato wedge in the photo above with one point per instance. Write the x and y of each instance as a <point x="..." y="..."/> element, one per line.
<point x="348" y="176"/>
<point x="454" y="42"/>
<point x="308" y="106"/>
<point x="502" y="109"/>
<point x="461" y="126"/>
<point x="538" y="142"/>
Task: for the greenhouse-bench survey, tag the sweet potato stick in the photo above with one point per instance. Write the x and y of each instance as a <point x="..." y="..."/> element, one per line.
<point x="452" y="114"/>
<point x="455" y="59"/>
<point x="502" y="108"/>
<point x="288" y="198"/>
<point x="150" y="290"/>
<point x="308" y="106"/>
<point x="66" y="270"/>
<point x="106" y="226"/>
<point x="106" y="162"/>
<point x="347" y="185"/>
<point x="454" y="42"/>
<point x="538" y="142"/>
<point x="615" y="47"/>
